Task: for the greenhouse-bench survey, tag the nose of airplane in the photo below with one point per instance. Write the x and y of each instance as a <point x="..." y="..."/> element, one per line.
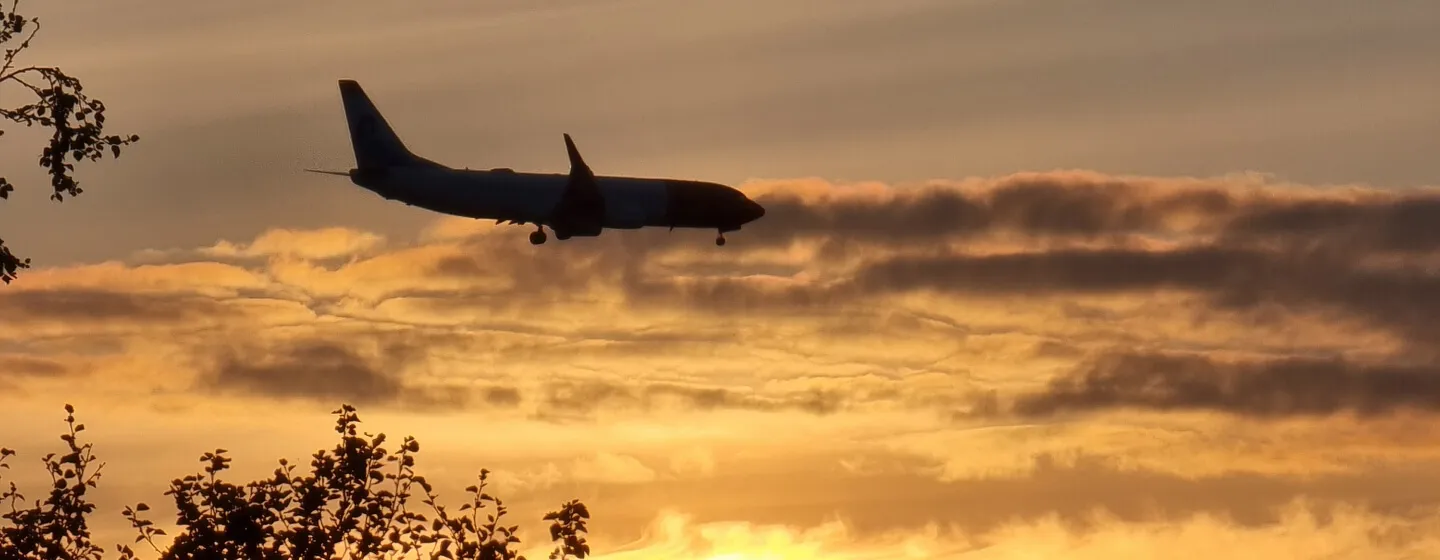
<point x="754" y="209"/>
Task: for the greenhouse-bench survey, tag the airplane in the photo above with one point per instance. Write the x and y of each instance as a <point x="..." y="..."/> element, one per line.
<point x="575" y="204"/>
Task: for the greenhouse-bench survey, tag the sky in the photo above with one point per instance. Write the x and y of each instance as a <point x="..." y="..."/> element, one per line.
<point x="1065" y="278"/>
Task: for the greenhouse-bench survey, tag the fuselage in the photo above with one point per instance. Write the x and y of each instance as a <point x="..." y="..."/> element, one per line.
<point x="502" y="194"/>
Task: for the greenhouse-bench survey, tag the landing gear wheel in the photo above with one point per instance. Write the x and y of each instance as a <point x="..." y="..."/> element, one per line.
<point x="537" y="237"/>
<point x="720" y="240"/>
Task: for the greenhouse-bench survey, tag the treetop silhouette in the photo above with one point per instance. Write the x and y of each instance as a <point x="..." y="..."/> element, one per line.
<point x="352" y="504"/>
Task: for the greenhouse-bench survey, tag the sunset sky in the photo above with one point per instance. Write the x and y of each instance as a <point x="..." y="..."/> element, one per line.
<point x="1038" y="279"/>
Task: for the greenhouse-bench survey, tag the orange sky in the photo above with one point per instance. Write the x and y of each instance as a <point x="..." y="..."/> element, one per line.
<point x="1027" y="287"/>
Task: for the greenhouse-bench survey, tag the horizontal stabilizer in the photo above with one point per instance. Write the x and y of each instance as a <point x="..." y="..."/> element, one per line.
<point x="340" y="173"/>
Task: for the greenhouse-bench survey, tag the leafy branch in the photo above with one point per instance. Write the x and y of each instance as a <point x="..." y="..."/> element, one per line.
<point x="58" y="102"/>
<point x="352" y="504"/>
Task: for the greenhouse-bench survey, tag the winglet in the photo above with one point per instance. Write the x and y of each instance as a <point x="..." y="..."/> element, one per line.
<point x="577" y="163"/>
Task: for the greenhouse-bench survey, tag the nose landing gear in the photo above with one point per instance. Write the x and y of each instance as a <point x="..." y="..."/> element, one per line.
<point x="720" y="240"/>
<point x="538" y="236"/>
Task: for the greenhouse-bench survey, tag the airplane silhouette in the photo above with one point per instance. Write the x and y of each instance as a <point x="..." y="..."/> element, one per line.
<point x="577" y="204"/>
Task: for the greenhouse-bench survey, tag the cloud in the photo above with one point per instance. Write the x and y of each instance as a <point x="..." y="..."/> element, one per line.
<point x="1244" y="243"/>
<point x="320" y="244"/>
<point x="82" y="305"/>
<point x="329" y="370"/>
<point x="18" y="370"/>
<point x="1058" y="204"/>
<point x="953" y="296"/>
<point x="1304" y="531"/>
<point x="588" y="396"/>
<point x="18" y="365"/>
<point x="1400" y="297"/>
<point x="799" y="487"/>
<point x="1065" y="271"/>
<point x="1088" y="205"/>
<point x="613" y="468"/>
<point x="1287" y="386"/>
<point x="1398" y="222"/>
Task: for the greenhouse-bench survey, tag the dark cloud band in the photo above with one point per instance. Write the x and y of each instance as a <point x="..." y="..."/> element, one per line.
<point x="1282" y="387"/>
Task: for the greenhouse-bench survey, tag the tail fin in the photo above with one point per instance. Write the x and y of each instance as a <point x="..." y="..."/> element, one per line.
<point x="376" y="144"/>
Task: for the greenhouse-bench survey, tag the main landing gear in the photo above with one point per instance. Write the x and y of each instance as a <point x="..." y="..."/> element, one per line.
<point x="720" y="239"/>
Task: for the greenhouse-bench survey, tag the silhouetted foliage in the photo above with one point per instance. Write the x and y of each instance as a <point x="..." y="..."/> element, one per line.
<point x="58" y="101"/>
<point x="352" y="504"/>
<point x="56" y="527"/>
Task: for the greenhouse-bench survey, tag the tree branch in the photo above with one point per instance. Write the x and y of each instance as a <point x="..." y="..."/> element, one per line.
<point x="77" y="121"/>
